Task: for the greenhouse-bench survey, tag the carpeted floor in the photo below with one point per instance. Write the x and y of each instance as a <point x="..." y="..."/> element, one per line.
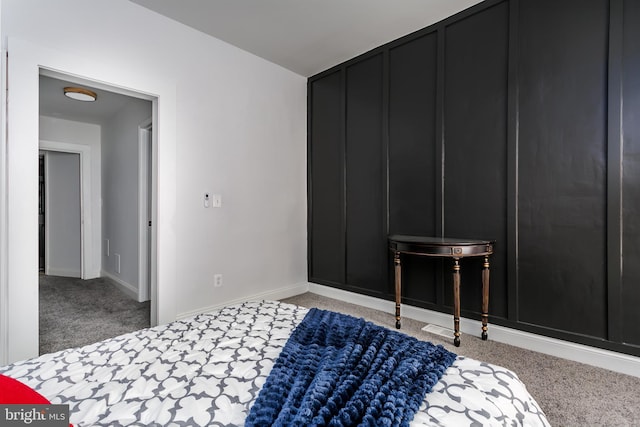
<point x="75" y="312"/>
<point x="570" y="393"/>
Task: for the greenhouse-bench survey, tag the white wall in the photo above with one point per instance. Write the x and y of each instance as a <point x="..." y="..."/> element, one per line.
<point x="80" y="134"/>
<point x="227" y="122"/>
<point x="120" y="191"/>
<point x="62" y="213"/>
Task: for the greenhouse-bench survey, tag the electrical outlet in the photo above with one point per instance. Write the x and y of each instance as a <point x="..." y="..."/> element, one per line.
<point x="217" y="280"/>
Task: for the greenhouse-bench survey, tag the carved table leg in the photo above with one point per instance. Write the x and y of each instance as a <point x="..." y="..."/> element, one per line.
<point x="398" y="271"/>
<point x="456" y="302"/>
<point x="485" y="296"/>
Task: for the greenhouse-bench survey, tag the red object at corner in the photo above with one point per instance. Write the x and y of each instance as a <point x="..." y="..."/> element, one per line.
<point x="14" y="392"/>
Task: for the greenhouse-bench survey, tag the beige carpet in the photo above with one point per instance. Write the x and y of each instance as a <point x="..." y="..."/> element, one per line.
<point x="570" y="393"/>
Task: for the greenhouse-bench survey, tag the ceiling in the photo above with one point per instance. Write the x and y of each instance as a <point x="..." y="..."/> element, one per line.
<point x="307" y="36"/>
<point x="304" y="36"/>
<point x="53" y="103"/>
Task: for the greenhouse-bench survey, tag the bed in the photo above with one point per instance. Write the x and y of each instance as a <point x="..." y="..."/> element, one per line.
<point x="210" y="370"/>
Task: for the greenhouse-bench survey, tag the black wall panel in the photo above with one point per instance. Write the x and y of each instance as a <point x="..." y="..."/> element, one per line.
<point x="630" y="296"/>
<point x="475" y="149"/>
<point x="366" y="234"/>
<point x="515" y="120"/>
<point x="326" y="181"/>
<point x="412" y="155"/>
<point x="562" y="159"/>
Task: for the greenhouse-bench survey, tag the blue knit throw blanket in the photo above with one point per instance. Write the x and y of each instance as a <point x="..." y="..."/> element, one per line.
<point x="337" y="370"/>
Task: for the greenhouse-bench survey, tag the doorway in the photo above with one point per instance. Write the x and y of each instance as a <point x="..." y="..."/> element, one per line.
<point x="108" y="129"/>
<point x="60" y="214"/>
<point x="87" y="207"/>
<point x="41" y="194"/>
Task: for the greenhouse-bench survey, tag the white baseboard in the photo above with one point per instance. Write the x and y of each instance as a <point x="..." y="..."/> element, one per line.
<point x="276" y="294"/>
<point x="593" y="356"/>
<point x="127" y="288"/>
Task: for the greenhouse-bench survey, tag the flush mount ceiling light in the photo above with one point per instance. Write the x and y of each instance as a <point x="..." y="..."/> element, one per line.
<point x="80" y="94"/>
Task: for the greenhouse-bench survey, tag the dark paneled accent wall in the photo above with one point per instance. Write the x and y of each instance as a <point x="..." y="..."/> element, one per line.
<point x="366" y="237"/>
<point x="475" y="145"/>
<point x="326" y="189"/>
<point x="515" y="120"/>
<point x="629" y="265"/>
<point x="562" y="73"/>
<point x="413" y="166"/>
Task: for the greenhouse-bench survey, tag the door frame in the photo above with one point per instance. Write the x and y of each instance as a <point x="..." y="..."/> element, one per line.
<point x="86" y="235"/>
<point x="18" y="152"/>
<point x="145" y="180"/>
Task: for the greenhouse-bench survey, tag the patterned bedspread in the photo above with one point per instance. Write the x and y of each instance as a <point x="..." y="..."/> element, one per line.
<point x="209" y="369"/>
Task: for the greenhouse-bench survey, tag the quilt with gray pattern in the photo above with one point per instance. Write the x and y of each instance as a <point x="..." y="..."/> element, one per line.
<point x="208" y="370"/>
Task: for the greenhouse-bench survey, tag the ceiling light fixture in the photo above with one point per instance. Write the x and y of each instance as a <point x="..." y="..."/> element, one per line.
<point x="80" y="94"/>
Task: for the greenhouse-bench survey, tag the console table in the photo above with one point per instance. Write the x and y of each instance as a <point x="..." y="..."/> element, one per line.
<point x="442" y="247"/>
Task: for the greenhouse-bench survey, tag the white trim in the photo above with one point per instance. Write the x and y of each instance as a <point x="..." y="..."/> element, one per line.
<point x="47" y="219"/>
<point x="4" y="245"/>
<point x="127" y="288"/>
<point x="593" y="356"/>
<point x="276" y="294"/>
<point x="143" y="215"/>
<point x="86" y="234"/>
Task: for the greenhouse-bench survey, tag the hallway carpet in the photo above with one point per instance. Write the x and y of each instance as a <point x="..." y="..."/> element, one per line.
<point x="75" y="312"/>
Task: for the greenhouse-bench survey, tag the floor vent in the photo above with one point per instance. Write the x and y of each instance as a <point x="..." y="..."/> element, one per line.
<point x="438" y="330"/>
